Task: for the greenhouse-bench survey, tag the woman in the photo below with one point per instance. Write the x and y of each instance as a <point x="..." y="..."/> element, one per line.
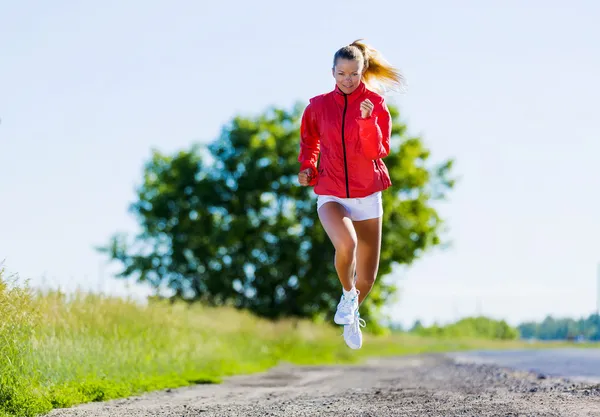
<point x="350" y="129"/>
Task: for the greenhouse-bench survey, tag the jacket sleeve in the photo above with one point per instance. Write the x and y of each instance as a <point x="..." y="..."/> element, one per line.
<point x="309" y="143"/>
<point x="375" y="132"/>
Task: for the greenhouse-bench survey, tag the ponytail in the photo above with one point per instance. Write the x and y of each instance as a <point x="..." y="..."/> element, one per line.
<point x="378" y="74"/>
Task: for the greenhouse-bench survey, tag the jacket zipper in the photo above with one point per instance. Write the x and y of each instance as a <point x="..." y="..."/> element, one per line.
<point x="344" y="146"/>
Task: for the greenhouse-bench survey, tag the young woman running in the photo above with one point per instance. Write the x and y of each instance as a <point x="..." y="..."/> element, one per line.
<point x="350" y="129"/>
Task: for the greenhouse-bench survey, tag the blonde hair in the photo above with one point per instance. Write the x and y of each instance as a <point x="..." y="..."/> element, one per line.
<point x="378" y="74"/>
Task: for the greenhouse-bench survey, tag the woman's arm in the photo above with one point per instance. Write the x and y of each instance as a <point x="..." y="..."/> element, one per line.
<point x="309" y="144"/>
<point x="375" y="132"/>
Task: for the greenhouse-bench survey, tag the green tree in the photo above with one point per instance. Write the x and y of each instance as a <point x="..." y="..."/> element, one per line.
<point x="228" y="223"/>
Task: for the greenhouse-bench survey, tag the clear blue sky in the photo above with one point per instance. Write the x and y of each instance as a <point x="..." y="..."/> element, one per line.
<point x="510" y="89"/>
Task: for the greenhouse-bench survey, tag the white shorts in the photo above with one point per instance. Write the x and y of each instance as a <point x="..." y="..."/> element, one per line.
<point x="369" y="207"/>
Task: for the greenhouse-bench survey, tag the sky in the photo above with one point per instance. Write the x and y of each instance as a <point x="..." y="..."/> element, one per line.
<point x="508" y="89"/>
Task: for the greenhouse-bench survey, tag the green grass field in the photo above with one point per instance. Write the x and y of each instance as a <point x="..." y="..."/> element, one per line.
<point x="58" y="351"/>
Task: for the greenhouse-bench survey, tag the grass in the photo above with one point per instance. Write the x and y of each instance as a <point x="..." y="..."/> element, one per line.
<point x="58" y="351"/>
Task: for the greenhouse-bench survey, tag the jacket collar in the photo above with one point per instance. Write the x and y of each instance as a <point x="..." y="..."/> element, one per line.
<point x="339" y="94"/>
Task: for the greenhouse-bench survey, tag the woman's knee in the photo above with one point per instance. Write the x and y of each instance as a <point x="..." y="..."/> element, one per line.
<point x="369" y="278"/>
<point x="346" y="247"/>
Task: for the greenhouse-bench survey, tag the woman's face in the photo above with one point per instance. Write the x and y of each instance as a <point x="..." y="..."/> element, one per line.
<point x="347" y="74"/>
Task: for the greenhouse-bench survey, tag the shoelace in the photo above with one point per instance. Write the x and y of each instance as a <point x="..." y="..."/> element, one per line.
<point x="358" y="322"/>
<point x="346" y="303"/>
<point x="354" y="327"/>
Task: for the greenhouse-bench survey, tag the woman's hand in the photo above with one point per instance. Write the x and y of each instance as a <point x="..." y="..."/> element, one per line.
<point x="304" y="177"/>
<point x="366" y="108"/>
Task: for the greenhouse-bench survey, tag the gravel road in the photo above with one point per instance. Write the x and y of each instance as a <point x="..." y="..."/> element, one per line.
<point x="429" y="385"/>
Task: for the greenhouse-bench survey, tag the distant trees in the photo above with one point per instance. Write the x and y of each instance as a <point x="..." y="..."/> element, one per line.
<point x="482" y="327"/>
<point x="562" y="328"/>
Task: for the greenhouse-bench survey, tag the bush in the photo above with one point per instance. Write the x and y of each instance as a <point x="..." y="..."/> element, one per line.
<point x="471" y="327"/>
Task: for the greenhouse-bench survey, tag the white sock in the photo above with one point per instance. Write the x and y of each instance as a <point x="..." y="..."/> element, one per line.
<point x="351" y="293"/>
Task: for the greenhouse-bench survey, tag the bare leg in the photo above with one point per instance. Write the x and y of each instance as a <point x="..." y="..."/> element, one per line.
<point x="367" y="254"/>
<point x="338" y="227"/>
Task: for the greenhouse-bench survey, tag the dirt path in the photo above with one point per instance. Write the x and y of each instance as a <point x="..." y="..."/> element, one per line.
<point x="407" y="386"/>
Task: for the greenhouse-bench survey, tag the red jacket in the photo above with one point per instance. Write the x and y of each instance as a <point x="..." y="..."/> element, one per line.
<point x="350" y="147"/>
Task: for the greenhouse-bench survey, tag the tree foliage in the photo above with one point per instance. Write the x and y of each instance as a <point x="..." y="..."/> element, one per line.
<point x="228" y="223"/>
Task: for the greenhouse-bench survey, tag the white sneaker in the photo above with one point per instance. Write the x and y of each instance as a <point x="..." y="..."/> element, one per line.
<point x="353" y="334"/>
<point x="346" y="309"/>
